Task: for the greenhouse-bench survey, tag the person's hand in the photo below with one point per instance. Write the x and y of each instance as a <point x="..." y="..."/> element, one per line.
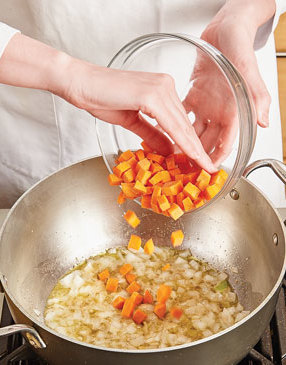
<point x="232" y="31"/>
<point x="118" y="97"/>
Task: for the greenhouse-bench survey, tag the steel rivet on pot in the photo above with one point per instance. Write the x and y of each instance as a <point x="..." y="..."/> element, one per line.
<point x="275" y="239"/>
<point x="234" y="194"/>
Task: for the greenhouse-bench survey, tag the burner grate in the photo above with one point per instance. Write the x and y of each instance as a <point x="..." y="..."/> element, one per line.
<point x="270" y="350"/>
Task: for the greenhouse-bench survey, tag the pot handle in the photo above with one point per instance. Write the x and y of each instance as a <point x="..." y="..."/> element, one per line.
<point x="28" y="332"/>
<point x="278" y="167"/>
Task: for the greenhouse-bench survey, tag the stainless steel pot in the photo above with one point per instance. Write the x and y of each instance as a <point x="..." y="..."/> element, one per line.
<point x="72" y="215"/>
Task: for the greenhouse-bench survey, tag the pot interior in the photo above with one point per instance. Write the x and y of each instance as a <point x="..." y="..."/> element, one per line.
<point x="73" y="215"/>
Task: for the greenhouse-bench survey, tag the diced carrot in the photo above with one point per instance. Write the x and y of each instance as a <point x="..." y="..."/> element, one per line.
<point x="170" y="162"/>
<point x="163" y="202"/>
<point x="121" y="168"/>
<point x="166" y="267"/>
<point x="179" y="198"/>
<point x="132" y="162"/>
<point x="128" y="308"/>
<point x="203" y="180"/>
<point x="155" y="167"/>
<point x="121" y="198"/>
<point x="176" y="312"/>
<point x="131" y="218"/>
<point x="199" y="202"/>
<point x="219" y="178"/>
<point x="211" y="191"/>
<point x="118" y="302"/>
<point x="175" y="211"/>
<point x="163" y="293"/>
<point x="188" y="204"/>
<point x="191" y="190"/>
<point x="156" y="192"/>
<point x="134" y="286"/>
<point x="125" y="156"/>
<point x="134" y="242"/>
<point x="161" y="176"/>
<point x="146" y="201"/>
<point x="149" y="247"/>
<point x="143" y="176"/>
<point x="125" y="269"/>
<point x="128" y="176"/>
<point x="139" y="316"/>
<point x="180" y="158"/>
<point x="149" y="190"/>
<point x="140" y="155"/>
<point x="181" y="177"/>
<point x="172" y="188"/>
<point x="155" y="157"/>
<point x="104" y="275"/>
<point x="172" y="199"/>
<point x="160" y="310"/>
<point x="140" y="187"/>
<point x="145" y="147"/>
<point x="155" y="208"/>
<point x="130" y="278"/>
<point x="112" y="284"/>
<point x="191" y="177"/>
<point x="177" y="238"/>
<point x="128" y="190"/>
<point x="175" y="172"/>
<point x="136" y="297"/>
<point x="114" y="179"/>
<point x="143" y="164"/>
<point x="166" y="213"/>
<point x="148" y="298"/>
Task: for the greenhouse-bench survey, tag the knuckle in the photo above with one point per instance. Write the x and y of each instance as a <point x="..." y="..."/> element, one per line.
<point x="166" y="80"/>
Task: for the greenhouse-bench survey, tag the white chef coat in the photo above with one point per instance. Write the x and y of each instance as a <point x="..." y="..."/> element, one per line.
<point x="40" y="132"/>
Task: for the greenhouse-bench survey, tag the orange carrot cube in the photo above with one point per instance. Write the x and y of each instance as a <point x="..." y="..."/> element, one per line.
<point x="155" y="157"/>
<point x="149" y="190"/>
<point x="188" y="204"/>
<point x="176" y="312"/>
<point x="128" y="176"/>
<point x="126" y="156"/>
<point x="170" y="162"/>
<point x="179" y="198"/>
<point x="156" y="192"/>
<point x="177" y="238"/>
<point x="140" y="155"/>
<point x="125" y="269"/>
<point x="121" y="198"/>
<point x="118" y="302"/>
<point x="175" y="211"/>
<point x="134" y="286"/>
<point x="132" y="162"/>
<point x="128" y="308"/>
<point x="163" y="293"/>
<point x="143" y="176"/>
<point x="149" y="247"/>
<point x="163" y="202"/>
<point x="121" y="168"/>
<point x="146" y="201"/>
<point x="143" y="164"/>
<point x="131" y="218"/>
<point x="136" y="297"/>
<point x="111" y="285"/>
<point x="161" y="176"/>
<point x="191" y="177"/>
<point x="148" y="298"/>
<point x="140" y="187"/>
<point x="191" y="190"/>
<point x="172" y="199"/>
<point x="203" y="180"/>
<point x="155" y="167"/>
<point x="199" y="202"/>
<point x="130" y="278"/>
<point x="211" y="191"/>
<point x="160" y="310"/>
<point x="128" y="190"/>
<point x="172" y="188"/>
<point x="155" y="208"/>
<point x="114" y="179"/>
<point x="104" y="275"/>
<point x="166" y="267"/>
<point x="219" y="178"/>
<point x="134" y="242"/>
<point x="175" y="172"/>
<point x="139" y="316"/>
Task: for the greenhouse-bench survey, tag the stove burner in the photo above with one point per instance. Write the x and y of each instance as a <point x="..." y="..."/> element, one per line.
<point x="270" y="350"/>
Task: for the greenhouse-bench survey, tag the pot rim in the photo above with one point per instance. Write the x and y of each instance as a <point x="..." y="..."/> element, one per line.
<point x="42" y="325"/>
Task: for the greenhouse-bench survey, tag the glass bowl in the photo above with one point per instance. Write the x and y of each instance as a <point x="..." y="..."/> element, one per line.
<point x="178" y="55"/>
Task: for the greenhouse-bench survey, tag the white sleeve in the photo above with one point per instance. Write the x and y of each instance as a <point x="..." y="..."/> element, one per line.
<point x="6" y="33"/>
<point x="267" y="28"/>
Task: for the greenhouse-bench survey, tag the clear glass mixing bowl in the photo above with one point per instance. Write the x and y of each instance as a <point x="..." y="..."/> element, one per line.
<point x="178" y="55"/>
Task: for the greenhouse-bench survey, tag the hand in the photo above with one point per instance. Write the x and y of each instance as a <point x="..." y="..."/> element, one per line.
<point x="117" y="97"/>
<point x="232" y="31"/>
